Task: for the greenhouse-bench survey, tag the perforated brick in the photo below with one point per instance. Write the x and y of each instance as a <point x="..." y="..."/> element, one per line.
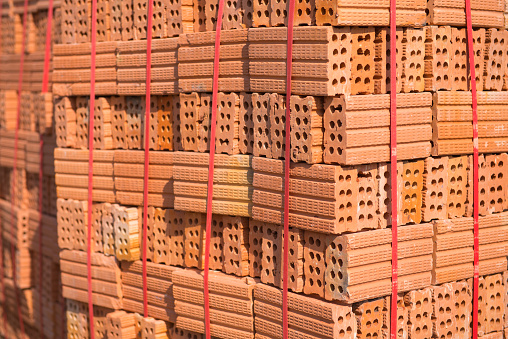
<point x="438" y="49"/>
<point x="83" y="12"/>
<point x="419" y="305"/>
<point x="457" y="178"/>
<point x="462" y="308"/>
<point x="435" y="194"/>
<point x="256" y="230"/>
<point x="227" y="139"/>
<point x="177" y="125"/>
<point x="64" y="224"/>
<point x="362" y="61"/>
<point x="261" y="117"/>
<point x="68" y="22"/>
<point x="246" y="124"/>
<point x="126" y="233"/>
<point x="121" y="324"/>
<point x="368" y="187"/>
<point x="80" y="223"/>
<point x="443" y="311"/>
<point x="189" y="108"/>
<point x="165" y="122"/>
<point x="127" y="20"/>
<point x="495" y="67"/>
<point x="108" y="229"/>
<point x="370" y="317"/>
<point x="177" y="238"/>
<point x="103" y="138"/>
<point x="314" y="263"/>
<point x="134" y="113"/>
<point x="236" y="245"/>
<point x="306" y="129"/>
<point x="412" y="176"/>
<point x="118" y="122"/>
<point x="82" y="122"/>
<point x="194" y="234"/>
<point x="65" y="122"/>
<point x="154" y="329"/>
<point x="115" y="20"/>
<point x="261" y="13"/>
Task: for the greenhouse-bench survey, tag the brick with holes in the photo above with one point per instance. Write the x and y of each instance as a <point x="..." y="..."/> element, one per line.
<point x="314" y="263"/>
<point x="118" y="122"/>
<point x="231" y="306"/>
<point x="277" y="114"/>
<point x="108" y="229"/>
<point x="83" y="14"/>
<point x="194" y="235"/>
<point x="443" y="316"/>
<point x="323" y="72"/>
<point x="236" y="245"/>
<point x="103" y="21"/>
<point x="307" y="316"/>
<point x="161" y="235"/>
<point x="80" y="223"/>
<point x="460" y="62"/>
<point x="435" y="194"/>
<point x="82" y="114"/>
<point x="121" y="324"/>
<point x="103" y="138"/>
<point x="456" y="186"/>
<point x="450" y="13"/>
<point x="189" y="107"/>
<point x="65" y="122"/>
<point x="154" y="329"/>
<point x="368" y="186"/>
<point x="412" y="176"/>
<point x="362" y="60"/>
<point x="66" y="231"/>
<point x="68" y="22"/>
<point x="312" y="183"/>
<point x="462" y="307"/>
<point x="419" y="305"/>
<point x="175" y="18"/>
<point x="370" y="318"/>
<point x="338" y="13"/>
<point x="438" y="46"/>
<point x="306" y="129"/>
<point x="227" y="139"/>
<point x="232" y="188"/>
<point x="234" y="15"/>
<point x="165" y="122"/>
<point x="134" y="113"/>
<point x="261" y="114"/>
<point x="195" y="59"/>
<point x="178" y="333"/>
<point x="256" y="231"/>
<point x="495" y="65"/>
<point x="359" y="265"/>
<point x="115" y="20"/>
<point x="357" y="128"/>
<point x="126" y="233"/>
<point x="246" y="124"/>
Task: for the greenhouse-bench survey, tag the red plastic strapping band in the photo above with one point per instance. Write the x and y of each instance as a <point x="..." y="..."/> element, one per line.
<point x="287" y="161"/>
<point x="15" y="165"/>
<point x="211" y="160"/>
<point x="1" y="224"/>
<point x="147" y="152"/>
<point x="476" y="199"/>
<point x="393" y="166"/>
<point x="47" y="53"/>
<point x="45" y="81"/>
<point x="91" y="117"/>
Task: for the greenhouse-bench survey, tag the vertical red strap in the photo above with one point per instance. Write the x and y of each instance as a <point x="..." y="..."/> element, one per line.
<point x="287" y="161"/>
<point x="476" y="199"/>
<point x="15" y="165"/>
<point x="147" y="152"/>
<point x="47" y="53"/>
<point x="45" y="81"/>
<point x="393" y="166"/>
<point x="1" y="225"/>
<point x="211" y="160"/>
<point x="91" y="117"/>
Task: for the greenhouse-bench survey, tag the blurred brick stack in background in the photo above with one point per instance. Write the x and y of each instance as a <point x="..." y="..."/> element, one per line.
<point x="340" y="237"/>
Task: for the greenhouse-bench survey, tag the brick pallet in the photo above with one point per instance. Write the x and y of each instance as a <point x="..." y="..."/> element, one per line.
<point x="340" y="209"/>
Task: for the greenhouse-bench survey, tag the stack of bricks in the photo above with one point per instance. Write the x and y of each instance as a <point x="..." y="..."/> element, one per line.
<point x="71" y="175"/>
<point x="106" y="279"/>
<point x="340" y="208"/>
<point x="129" y="170"/>
<point x="453" y="247"/>
<point x="452" y="116"/>
<point x="71" y="69"/>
